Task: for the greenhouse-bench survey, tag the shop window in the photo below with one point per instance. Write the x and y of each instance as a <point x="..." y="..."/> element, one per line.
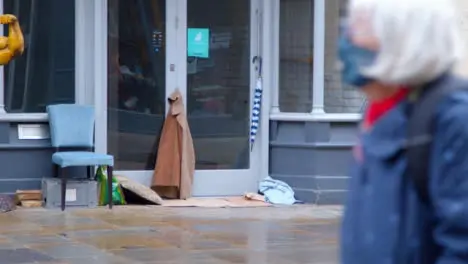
<point x="339" y="97"/>
<point x="45" y="73"/>
<point x="296" y="55"/>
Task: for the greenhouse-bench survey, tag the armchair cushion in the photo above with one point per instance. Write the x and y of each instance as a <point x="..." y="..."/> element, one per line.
<point x="81" y="158"/>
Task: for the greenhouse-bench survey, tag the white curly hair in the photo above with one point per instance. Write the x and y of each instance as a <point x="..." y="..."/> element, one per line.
<point x="418" y="40"/>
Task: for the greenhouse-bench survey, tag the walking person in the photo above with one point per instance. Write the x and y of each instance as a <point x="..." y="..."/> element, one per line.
<point x="408" y="192"/>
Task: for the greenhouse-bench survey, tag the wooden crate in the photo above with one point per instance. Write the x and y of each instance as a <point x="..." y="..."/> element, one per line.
<point x="31" y="204"/>
<point x="28" y="195"/>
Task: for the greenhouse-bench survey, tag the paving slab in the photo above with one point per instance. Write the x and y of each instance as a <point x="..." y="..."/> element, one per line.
<point x="150" y="234"/>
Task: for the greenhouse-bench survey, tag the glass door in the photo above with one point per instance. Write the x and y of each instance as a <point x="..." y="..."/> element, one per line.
<point x="221" y="39"/>
<point x="204" y="48"/>
<point x="141" y="39"/>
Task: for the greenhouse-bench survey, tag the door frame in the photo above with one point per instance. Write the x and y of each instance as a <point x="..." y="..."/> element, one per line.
<point x="223" y="182"/>
<point x="206" y="182"/>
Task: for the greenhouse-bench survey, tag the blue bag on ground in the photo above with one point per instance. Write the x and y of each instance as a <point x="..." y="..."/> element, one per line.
<point x="277" y="192"/>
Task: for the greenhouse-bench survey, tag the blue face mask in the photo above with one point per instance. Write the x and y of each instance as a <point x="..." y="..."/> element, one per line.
<point x="353" y="59"/>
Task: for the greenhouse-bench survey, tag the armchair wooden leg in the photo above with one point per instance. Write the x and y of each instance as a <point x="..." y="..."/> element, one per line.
<point x="89" y="171"/>
<point x="55" y="169"/>
<point x="110" y="174"/>
<point x="64" y="186"/>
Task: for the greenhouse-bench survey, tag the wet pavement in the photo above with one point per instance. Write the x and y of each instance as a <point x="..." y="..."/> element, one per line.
<point x="296" y="235"/>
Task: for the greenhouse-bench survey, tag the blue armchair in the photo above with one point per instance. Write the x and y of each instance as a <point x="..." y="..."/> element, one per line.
<point x="72" y="135"/>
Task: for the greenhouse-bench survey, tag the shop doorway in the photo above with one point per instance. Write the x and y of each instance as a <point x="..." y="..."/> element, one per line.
<point x="204" y="48"/>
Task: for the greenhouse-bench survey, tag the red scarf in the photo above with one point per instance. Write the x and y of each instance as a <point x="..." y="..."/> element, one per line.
<point x="378" y="109"/>
<point x="375" y="111"/>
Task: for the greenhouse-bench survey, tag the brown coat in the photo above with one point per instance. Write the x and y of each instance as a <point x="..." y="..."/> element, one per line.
<point x="175" y="164"/>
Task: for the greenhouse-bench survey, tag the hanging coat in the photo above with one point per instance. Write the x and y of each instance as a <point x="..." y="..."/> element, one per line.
<point x="175" y="163"/>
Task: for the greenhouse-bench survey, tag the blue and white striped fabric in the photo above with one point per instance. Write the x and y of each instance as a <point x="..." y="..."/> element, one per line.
<point x="256" y="109"/>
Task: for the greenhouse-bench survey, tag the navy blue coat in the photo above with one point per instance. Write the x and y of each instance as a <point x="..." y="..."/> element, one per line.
<point x="384" y="221"/>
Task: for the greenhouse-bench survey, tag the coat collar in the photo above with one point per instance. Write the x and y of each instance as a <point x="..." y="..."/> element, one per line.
<point x="176" y="102"/>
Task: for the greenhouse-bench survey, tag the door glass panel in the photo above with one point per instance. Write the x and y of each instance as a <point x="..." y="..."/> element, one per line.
<point x="136" y="81"/>
<point x="218" y="83"/>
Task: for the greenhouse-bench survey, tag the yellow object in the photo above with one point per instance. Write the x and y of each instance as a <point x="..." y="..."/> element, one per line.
<point x="12" y="45"/>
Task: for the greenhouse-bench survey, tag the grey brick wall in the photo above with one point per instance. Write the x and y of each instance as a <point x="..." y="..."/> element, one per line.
<point x="339" y="98"/>
<point x="296" y="55"/>
<point x="296" y="51"/>
<point x="462" y="6"/>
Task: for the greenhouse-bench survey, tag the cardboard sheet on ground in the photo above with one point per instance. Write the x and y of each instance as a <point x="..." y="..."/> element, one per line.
<point x="137" y="193"/>
<point x="226" y="202"/>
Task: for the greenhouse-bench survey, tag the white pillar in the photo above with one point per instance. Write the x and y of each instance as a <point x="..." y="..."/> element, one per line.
<point x="84" y="56"/>
<point x="318" y="84"/>
<point x="275" y="56"/>
<point x="2" y="72"/>
<point x="100" y="76"/>
<point x="267" y="32"/>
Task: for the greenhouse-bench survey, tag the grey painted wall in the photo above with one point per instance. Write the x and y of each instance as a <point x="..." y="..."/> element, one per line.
<point x="24" y="163"/>
<point x="312" y="157"/>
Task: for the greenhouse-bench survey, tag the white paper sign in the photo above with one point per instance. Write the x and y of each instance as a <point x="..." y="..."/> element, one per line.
<point x="221" y="40"/>
<point x="70" y="195"/>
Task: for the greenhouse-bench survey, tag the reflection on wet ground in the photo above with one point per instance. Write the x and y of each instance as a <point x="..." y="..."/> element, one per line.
<point x="296" y="235"/>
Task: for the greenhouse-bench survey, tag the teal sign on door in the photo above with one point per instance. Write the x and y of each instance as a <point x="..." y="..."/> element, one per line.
<point x="198" y="42"/>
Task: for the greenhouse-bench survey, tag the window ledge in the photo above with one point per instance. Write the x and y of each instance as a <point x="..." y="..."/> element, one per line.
<point x="24" y="117"/>
<point x="293" y="117"/>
